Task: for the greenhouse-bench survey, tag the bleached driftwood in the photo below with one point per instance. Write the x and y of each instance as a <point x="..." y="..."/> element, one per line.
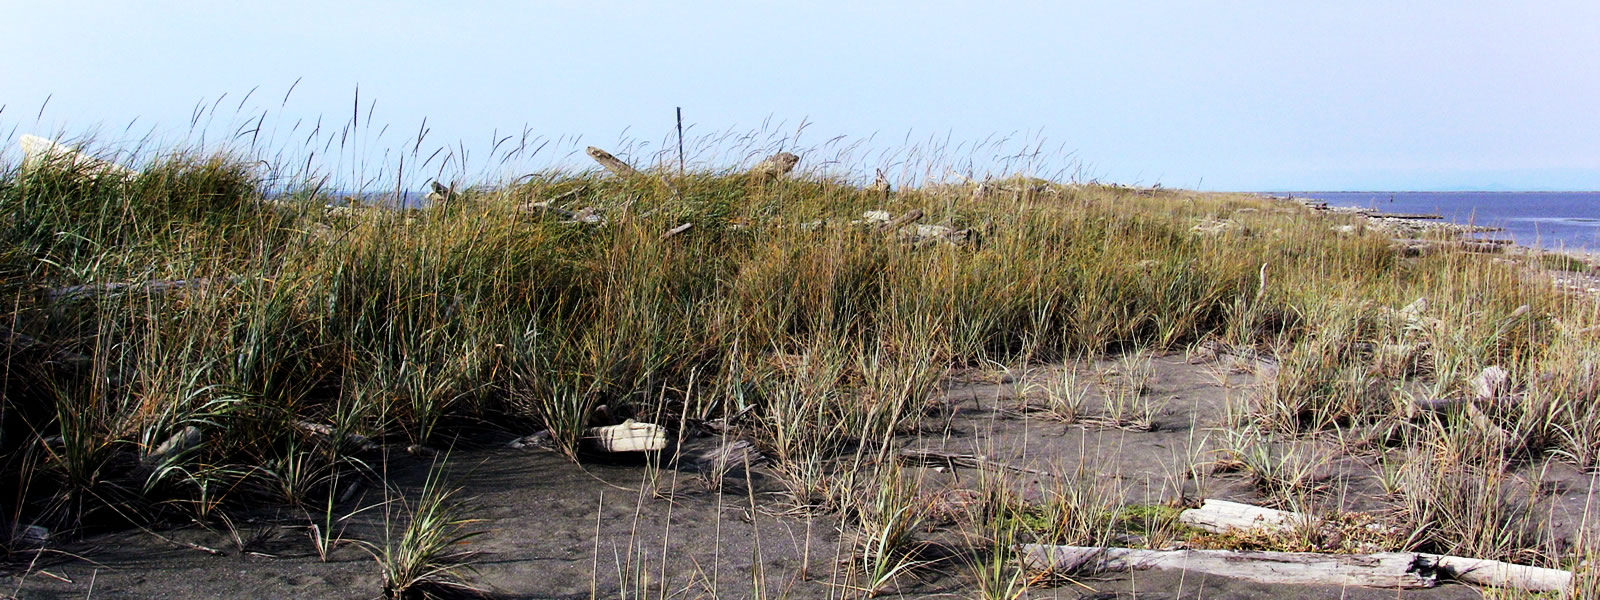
<point x="101" y="289"/>
<point x="330" y="435"/>
<point x="775" y="166"/>
<point x="924" y="234"/>
<point x="940" y="458"/>
<point x="38" y="151"/>
<point x="876" y="216"/>
<point x="1494" y="573"/>
<point x="587" y="216"/>
<point x="440" y="193"/>
<point x="1222" y="515"/>
<point x="178" y="444"/>
<point x="630" y="436"/>
<point x="676" y="230"/>
<point x="901" y="221"/>
<point x="1382" y="570"/>
<point x="611" y="163"/>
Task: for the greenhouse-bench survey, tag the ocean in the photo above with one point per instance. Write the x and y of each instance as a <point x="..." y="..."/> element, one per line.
<point x="1552" y="220"/>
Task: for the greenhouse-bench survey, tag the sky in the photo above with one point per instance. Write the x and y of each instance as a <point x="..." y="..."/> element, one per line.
<point x="1416" y="95"/>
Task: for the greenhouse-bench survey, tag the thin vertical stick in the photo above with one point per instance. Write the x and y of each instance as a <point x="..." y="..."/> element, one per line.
<point x="680" y="141"/>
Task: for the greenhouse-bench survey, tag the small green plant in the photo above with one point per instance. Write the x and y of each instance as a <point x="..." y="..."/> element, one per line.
<point x="993" y="565"/>
<point x="888" y="523"/>
<point x="1066" y="398"/>
<point x="1286" y="472"/>
<point x="428" y="558"/>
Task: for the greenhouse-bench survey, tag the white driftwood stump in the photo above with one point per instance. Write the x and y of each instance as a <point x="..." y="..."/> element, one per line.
<point x="1394" y="570"/>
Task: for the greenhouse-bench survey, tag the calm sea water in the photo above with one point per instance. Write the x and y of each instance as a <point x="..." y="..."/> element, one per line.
<point x="1544" y="219"/>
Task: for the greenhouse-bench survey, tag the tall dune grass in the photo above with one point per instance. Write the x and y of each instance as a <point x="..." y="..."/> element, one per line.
<point x="825" y="337"/>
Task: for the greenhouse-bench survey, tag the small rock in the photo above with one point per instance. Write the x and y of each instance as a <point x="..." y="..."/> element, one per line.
<point x="537" y="440"/>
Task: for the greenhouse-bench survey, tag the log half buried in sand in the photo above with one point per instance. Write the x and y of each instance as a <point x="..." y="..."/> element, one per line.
<point x="1395" y="570"/>
<point x="611" y="163"/>
<point x="630" y="436"/>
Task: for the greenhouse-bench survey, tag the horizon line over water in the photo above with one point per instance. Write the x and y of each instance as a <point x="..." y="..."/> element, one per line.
<point x="1550" y="220"/>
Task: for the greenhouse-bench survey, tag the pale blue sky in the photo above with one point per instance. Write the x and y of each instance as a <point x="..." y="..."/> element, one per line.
<point x="1219" y="95"/>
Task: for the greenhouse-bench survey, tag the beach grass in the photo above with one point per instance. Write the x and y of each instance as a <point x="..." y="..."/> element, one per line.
<point x="188" y="341"/>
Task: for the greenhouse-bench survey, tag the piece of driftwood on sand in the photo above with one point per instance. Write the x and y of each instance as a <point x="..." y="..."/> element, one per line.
<point x="38" y="151"/>
<point x="901" y="221"/>
<point x="676" y="230"/>
<point x="611" y="163"/>
<point x="1398" y="570"/>
<point x="629" y="436"/>
<point x="1220" y="515"/>
<point x="774" y="166"/>
<point x="91" y="290"/>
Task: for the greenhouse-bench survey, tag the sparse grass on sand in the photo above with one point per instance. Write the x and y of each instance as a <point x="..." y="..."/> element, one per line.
<point x="259" y="345"/>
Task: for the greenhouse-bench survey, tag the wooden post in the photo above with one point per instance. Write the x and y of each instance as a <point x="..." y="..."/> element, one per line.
<point x="680" y="141"/>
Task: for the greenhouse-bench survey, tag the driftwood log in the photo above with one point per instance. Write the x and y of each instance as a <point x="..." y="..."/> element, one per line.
<point x="1494" y="573"/>
<point x="629" y="436"/>
<point x="611" y="163"/>
<point x="72" y="292"/>
<point x="676" y="230"/>
<point x="1220" y="515"/>
<point x="901" y="221"/>
<point x="587" y="216"/>
<point x="1400" y="570"/>
<point x="13" y="343"/>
